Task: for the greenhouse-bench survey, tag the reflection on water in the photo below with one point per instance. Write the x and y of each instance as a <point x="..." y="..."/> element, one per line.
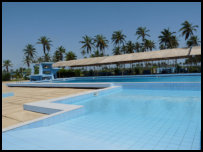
<point x="146" y="104"/>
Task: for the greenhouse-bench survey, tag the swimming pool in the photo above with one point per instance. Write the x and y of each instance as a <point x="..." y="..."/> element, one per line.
<point x="107" y="81"/>
<point x="127" y="118"/>
<point x="134" y="78"/>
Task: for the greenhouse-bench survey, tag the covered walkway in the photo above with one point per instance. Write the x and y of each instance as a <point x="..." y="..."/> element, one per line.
<point x="177" y="53"/>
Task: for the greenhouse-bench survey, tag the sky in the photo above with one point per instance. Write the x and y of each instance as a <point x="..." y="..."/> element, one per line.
<point x="66" y="23"/>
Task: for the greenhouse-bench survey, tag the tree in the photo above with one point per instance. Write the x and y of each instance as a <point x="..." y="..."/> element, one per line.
<point x="138" y="47"/>
<point x="56" y="56"/>
<point x="17" y="73"/>
<point x="97" y="54"/>
<point x="123" y="49"/>
<point x="87" y="43"/>
<point x="39" y="60"/>
<point x="61" y="50"/>
<point x="142" y="33"/>
<point x="117" y="51"/>
<point x="162" y="47"/>
<point x="30" y="51"/>
<point x="46" y="58"/>
<point x="21" y="71"/>
<point x="83" y="52"/>
<point x="27" y="60"/>
<point x="70" y="56"/>
<point x="148" y="45"/>
<point x="167" y="40"/>
<point x="46" y="43"/>
<point x="193" y="41"/>
<point x="101" y="43"/>
<point x="118" y="38"/>
<point x="29" y="54"/>
<point x="7" y="64"/>
<point x="174" y="42"/>
<point x="129" y="47"/>
<point x="187" y="29"/>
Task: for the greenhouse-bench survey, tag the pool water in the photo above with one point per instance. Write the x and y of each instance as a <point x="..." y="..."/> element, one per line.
<point x="175" y="78"/>
<point x="8" y="94"/>
<point x="125" y="119"/>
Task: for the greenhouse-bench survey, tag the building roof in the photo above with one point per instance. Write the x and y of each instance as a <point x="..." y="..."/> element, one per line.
<point x="132" y="57"/>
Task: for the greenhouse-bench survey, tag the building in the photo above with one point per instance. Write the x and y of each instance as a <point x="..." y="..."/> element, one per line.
<point x="45" y="71"/>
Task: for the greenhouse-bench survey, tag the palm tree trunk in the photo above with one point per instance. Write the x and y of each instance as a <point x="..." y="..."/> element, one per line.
<point x="44" y="49"/>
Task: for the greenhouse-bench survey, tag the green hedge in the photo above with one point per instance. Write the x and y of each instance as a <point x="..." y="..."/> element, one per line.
<point x="194" y="69"/>
<point x="63" y="73"/>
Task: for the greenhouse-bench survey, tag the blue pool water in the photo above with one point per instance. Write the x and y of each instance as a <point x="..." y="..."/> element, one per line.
<point x="159" y="78"/>
<point x="8" y="94"/>
<point x="124" y="119"/>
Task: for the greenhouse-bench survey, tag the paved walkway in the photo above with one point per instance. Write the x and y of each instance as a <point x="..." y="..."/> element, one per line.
<point x="12" y="107"/>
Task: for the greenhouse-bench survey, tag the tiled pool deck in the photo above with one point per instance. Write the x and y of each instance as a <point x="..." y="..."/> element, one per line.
<point x="12" y="106"/>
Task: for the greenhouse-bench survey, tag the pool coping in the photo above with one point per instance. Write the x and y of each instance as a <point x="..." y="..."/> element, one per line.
<point x="61" y="85"/>
<point x="61" y="108"/>
<point x="98" y="85"/>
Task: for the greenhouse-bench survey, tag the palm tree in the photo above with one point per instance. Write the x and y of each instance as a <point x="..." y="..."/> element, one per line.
<point x="30" y="54"/>
<point x="88" y="44"/>
<point x="187" y="29"/>
<point x="167" y="39"/>
<point x="56" y="56"/>
<point x="21" y="71"/>
<point x="40" y="59"/>
<point x="46" y="43"/>
<point x="46" y="58"/>
<point x="174" y="42"/>
<point x="7" y="64"/>
<point x="97" y="54"/>
<point x="123" y="49"/>
<point x="61" y="50"/>
<point x="83" y="52"/>
<point x="193" y="41"/>
<point x="27" y="60"/>
<point x="17" y="73"/>
<point x="130" y="47"/>
<point x="138" y="47"/>
<point x="118" y="38"/>
<point x="162" y="47"/>
<point x="117" y="51"/>
<point x="30" y="51"/>
<point x="101" y="43"/>
<point x="148" y="45"/>
<point x="70" y="56"/>
<point x="142" y="32"/>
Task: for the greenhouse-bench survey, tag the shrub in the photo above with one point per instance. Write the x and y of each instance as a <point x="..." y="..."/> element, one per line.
<point x="63" y="73"/>
<point x="78" y="73"/>
<point x="117" y="71"/>
<point x="6" y="76"/>
<point x="194" y="69"/>
<point x="138" y="70"/>
<point x="36" y="69"/>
